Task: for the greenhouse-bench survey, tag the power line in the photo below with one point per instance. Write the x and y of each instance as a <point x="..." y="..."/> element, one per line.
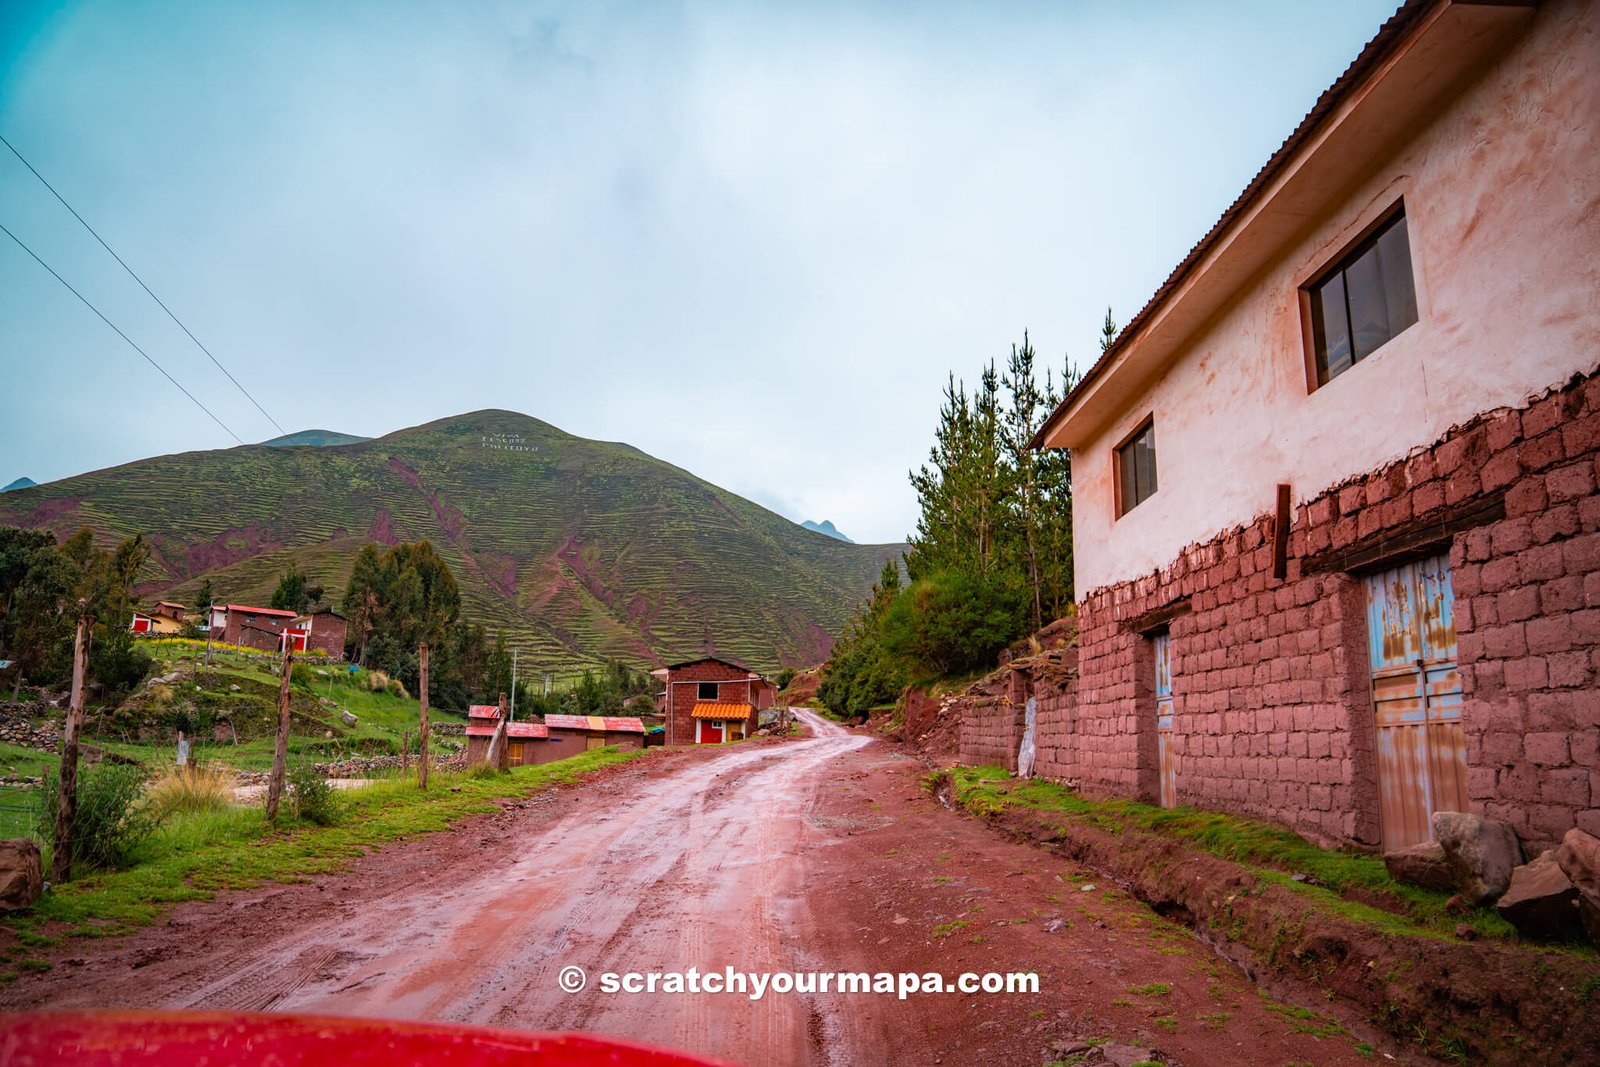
<point x="143" y="286"/>
<point x="120" y="334"/>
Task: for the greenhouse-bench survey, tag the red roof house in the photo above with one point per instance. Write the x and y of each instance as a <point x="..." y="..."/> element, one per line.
<point x="526" y="742"/>
<point x="572" y="734"/>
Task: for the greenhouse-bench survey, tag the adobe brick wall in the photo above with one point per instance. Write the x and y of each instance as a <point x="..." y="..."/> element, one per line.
<point x="991" y="731"/>
<point x="1270" y="677"/>
<point x="328" y="635"/>
<point x="735" y="688"/>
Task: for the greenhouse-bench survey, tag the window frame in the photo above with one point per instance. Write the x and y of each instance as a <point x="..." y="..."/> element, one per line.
<point x="1148" y="423"/>
<point x="1338" y="263"/>
<point x="700" y="692"/>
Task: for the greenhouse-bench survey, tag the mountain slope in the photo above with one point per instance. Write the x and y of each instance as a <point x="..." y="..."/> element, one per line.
<point x="579" y="549"/>
<point x="21" y="483"/>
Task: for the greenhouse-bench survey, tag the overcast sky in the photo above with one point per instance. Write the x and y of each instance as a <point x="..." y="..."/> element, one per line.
<point x="750" y="239"/>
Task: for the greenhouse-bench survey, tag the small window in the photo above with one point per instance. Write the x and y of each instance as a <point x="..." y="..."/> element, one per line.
<point x="1136" y="468"/>
<point x="1367" y="298"/>
<point x="708" y="691"/>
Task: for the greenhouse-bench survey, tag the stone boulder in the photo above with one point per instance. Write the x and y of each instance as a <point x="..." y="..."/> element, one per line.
<point x="1422" y="865"/>
<point x="1579" y="859"/>
<point x="347" y="718"/>
<point x="1482" y="853"/>
<point x="1542" y="902"/>
<point x="21" y="875"/>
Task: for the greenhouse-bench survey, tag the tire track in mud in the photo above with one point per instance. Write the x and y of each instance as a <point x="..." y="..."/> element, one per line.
<point x="693" y="863"/>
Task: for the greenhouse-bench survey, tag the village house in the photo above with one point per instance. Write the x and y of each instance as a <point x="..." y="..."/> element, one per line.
<point x="167" y="617"/>
<point x="322" y="630"/>
<point x="572" y="734"/>
<point x="259" y="628"/>
<point x="1336" y="529"/>
<point x="526" y="742"/>
<point x="711" y="701"/>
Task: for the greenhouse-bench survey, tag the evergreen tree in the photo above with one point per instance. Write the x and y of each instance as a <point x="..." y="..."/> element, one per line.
<point x="1108" y="331"/>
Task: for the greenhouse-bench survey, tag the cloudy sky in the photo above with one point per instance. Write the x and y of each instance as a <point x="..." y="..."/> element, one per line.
<point x="750" y="239"/>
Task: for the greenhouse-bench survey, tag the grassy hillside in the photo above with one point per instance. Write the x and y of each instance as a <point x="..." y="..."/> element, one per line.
<point x="579" y="549"/>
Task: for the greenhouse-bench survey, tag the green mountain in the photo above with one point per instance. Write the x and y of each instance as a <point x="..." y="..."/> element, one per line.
<point x="21" y="483"/>
<point x="317" y="438"/>
<point x="579" y="549"/>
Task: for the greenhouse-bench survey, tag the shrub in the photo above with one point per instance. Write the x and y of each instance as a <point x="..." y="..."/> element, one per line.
<point x="377" y="681"/>
<point x="398" y="689"/>
<point x="112" y="819"/>
<point x="784" y="677"/>
<point x="314" y="799"/>
<point x="195" y="788"/>
<point x="119" y="664"/>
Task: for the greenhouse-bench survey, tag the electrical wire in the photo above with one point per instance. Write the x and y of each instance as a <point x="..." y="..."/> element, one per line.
<point x="142" y="285"/>
<point x="120" y="334"/>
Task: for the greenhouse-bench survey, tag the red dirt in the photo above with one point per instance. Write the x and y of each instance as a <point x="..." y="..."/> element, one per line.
<point x="813" y="854"/>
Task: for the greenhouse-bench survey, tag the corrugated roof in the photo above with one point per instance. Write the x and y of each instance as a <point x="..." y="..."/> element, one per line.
<point x="607" y="723"/>
<point x="720" y="711"/>
<point x="513" y="729"/>
<point x="707" y="659"/>
<point x="483" y="711"/>
<point x="260" y="611"/>
<point x="1389" y="35"/>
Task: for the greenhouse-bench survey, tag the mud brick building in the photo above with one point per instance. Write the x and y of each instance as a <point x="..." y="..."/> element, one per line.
<point x="260" y="628"/>
<point x="572" y="734"/>
<point x="712" y="701"/>
<point x="526" y="742"/>
<point x="325" y="631"/>
<point x="1336" y="528"/>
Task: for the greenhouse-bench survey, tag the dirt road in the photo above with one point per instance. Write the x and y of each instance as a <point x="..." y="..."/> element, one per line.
<point x="809" y="855"/>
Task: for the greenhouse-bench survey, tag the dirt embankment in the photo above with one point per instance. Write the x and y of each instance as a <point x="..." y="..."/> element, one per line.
<point x="1468" y="1001"/>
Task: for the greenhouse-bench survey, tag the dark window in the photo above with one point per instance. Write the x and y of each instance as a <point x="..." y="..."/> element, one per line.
<point x="708" y="691"/>
<point x="1136" y="468"/>
<point x="1366" y="299"/>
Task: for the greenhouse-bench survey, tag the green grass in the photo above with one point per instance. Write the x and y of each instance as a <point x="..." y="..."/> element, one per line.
<point x="195" y="856"/>
<point x="1273" y="854"/>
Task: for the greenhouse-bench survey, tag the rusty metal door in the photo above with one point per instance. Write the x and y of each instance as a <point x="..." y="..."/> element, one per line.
<point x="1164" y="757"/>
<point x="1416" y="696"/>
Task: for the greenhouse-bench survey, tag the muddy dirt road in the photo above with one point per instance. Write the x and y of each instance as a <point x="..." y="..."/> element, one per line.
<point x="820" y="854"/>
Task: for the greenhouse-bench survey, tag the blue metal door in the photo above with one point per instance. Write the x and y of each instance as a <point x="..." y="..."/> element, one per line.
<point x="1164" y="754"/>
<point x="1416" y="694"/>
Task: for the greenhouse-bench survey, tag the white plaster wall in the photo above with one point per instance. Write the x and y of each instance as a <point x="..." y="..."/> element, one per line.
<point x="1502" y="195"/>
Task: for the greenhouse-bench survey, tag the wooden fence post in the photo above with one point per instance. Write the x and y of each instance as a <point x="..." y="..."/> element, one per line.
<point x="280" y="753"/>
<point x="499" y="756"/>
<point x="405" y="751"/>
<point x="422" y="735"/>
<point x="67" y="794"/>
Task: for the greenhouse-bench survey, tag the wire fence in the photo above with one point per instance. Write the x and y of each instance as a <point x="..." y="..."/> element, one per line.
<point x="19" y="813"/>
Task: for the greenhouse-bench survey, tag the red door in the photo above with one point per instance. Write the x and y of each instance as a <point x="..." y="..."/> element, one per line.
<point x="710" y="732"/>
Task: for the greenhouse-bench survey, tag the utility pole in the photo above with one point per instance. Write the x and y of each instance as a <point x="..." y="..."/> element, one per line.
<point x="211" y="621"/>
<point x="422" y="734"/>
<point x="67" y="795"/>
<point x="280" y="753"/>
<point x="513" y="683"/>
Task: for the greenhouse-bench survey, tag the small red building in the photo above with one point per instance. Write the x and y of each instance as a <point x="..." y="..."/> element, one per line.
<point x="325" y="631"/>
<point x="711" y="701"/>
<point x="572" y="734"/>
<point x="526" y="742"/>
<point x="253" y="627"/>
